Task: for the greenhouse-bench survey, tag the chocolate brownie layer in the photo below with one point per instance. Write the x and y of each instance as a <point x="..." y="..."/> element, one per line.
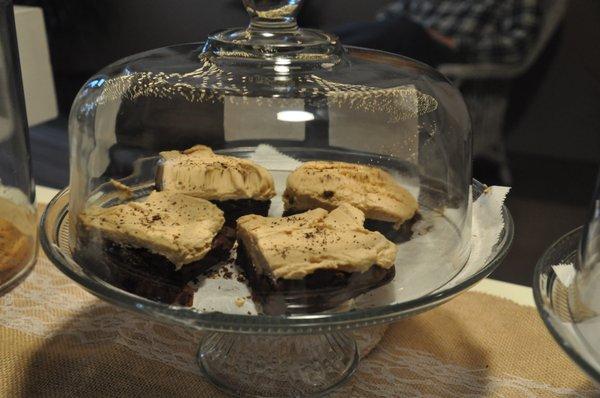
<point x="141" y="272"/>
<point x="389" y="230"/>
<point x="236" y="208"/>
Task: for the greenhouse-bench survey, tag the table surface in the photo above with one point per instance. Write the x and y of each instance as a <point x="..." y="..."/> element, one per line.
<point x="519" y="294"/>
<point x="60" y="338"/>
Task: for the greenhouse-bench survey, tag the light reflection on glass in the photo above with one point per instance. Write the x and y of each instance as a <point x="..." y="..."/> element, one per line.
<point x="295" y="116"/>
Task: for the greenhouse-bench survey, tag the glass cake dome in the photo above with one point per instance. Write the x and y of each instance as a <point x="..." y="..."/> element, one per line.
<point x="170" y="147"/>
<point x="275" y="189"/>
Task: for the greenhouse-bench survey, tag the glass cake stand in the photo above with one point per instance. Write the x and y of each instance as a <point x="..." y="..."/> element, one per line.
<point x="250" y="355"/>
<point x="578" y="337"/>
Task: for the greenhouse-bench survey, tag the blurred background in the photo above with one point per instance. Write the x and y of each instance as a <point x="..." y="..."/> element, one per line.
<point x="535" y="114"/>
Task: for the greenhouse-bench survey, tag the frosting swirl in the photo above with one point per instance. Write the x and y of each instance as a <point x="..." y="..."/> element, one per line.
<point x="200" y="172"/>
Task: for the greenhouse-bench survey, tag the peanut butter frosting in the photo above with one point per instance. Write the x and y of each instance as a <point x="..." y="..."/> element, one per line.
<point x="176" y="226"/>
<point x="296" y="246"/>
<point x="200" y="172"/>
<point x="328" y="184"/>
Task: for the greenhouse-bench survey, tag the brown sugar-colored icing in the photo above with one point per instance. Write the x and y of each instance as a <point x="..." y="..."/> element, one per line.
<point x="296" y="246"/>
<point x="370" y="189"/>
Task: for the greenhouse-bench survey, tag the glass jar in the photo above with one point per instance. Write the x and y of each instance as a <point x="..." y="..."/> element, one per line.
<point x="18" y="229"/>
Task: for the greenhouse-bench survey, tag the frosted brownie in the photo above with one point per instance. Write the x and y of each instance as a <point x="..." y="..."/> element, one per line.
<point x="388" y="207"/>
<point x="155" y="246"/>
<point x="312" y="261"/>
<point x="237" y="186"/>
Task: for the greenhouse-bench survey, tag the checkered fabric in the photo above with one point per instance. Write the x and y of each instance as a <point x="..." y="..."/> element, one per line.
<point x="485" y="31"/>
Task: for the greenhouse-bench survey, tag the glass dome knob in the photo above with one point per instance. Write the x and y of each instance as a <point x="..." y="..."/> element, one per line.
<point x="274" y="33"/>
<point x="273" y="13"/>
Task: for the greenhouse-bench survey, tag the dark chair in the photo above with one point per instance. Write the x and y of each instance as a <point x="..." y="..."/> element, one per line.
<point x="486" y="88"/>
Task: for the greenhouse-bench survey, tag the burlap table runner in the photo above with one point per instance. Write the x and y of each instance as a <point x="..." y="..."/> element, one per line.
<point x="56" y="340"/>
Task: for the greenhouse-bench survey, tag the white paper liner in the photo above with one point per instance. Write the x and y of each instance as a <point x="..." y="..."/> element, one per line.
<point x="565" y="273"/>
<point x="431" y="267"/>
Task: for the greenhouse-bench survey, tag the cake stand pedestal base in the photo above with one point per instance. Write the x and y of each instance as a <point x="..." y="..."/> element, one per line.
<point x="277" y="366"/>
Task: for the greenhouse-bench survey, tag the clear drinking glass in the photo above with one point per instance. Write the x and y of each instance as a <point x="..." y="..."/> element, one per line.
<point x="18" y="230"/>
<point x="586" y="300"/>
<point x="568" y="298"/>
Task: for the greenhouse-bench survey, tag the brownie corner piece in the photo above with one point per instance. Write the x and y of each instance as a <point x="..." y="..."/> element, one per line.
<point x="141" y="272"/>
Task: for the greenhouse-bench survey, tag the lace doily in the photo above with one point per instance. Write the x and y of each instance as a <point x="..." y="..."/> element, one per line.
<point x="48" y="304"/>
